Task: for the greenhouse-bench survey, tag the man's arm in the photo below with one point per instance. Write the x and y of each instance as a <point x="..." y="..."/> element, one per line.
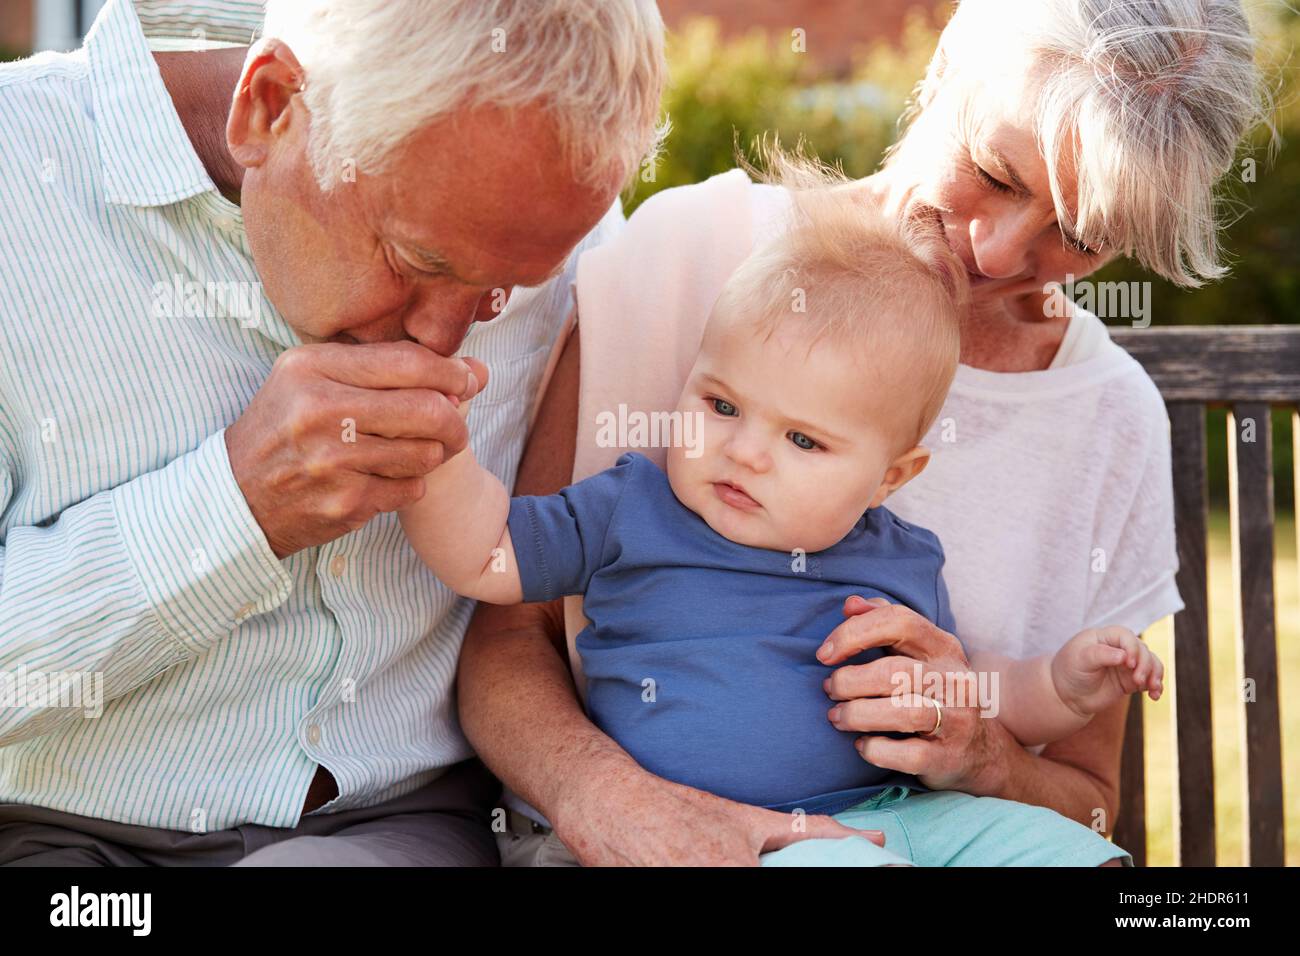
<point x="129" y="583"/>
<point x="143" y="577"/>
<point x="520" y="710"/>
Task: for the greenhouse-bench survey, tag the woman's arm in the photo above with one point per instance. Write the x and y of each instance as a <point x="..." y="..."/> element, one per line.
<point x="1078" y="776"/>
<point x="520" y="710"/>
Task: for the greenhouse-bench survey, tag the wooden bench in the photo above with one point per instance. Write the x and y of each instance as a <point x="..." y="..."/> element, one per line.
<point x="1248" y="369"/>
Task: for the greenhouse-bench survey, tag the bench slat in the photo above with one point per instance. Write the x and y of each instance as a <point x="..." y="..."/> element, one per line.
<point x="1251" y="484"/>
<point x="1130" y="830"/>
<point x="1191" y="665"/>
<point x="1247" y="363"/>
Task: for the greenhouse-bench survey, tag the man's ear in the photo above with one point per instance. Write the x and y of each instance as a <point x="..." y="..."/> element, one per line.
<point x="271" y="78"/>
<point x="900" y="471"/>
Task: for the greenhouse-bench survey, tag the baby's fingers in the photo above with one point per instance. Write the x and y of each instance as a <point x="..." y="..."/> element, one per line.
<point x="478" y="383"/>
<point x="1100" y="657"/>
<point x="1149" y="674"/>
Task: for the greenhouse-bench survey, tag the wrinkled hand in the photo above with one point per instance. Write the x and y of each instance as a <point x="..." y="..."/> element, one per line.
<point x="1102" y="665"/>
<point x="885" y="695"/>
<point x="339" y="433"/>
<point x="633" y="818"/>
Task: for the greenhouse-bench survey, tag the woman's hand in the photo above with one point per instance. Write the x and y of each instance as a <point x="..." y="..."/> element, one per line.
<point x="967" y="753"/>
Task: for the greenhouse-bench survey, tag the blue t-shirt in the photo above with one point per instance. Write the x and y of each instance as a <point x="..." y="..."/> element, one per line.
<point x="700" y="657"/>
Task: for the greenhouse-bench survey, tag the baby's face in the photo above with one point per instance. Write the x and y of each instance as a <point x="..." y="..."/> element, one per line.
<point x="796" y="444"/>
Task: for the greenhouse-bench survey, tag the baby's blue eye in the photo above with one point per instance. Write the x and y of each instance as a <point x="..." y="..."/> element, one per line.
<point x="802" y="441"/>
<point x="724" y="407"/>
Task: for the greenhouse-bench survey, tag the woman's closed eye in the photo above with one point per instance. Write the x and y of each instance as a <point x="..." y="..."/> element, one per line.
<point x="1079" y="246"/>
<point x="989" y="180"/>
<point x="992" y="182"/>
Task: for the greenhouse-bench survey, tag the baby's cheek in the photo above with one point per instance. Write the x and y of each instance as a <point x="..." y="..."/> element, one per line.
<point x="808" y="524"/>
<point x="838" y="513"/>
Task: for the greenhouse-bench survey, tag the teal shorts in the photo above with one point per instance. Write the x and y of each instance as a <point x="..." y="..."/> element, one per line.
<point x="947" y="828"/>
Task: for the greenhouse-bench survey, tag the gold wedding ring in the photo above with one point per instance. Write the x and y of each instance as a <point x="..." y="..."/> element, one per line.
<point x="938" y="717"/>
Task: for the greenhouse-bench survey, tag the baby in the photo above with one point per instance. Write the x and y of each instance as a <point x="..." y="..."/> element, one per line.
<point x="709" y="588"/>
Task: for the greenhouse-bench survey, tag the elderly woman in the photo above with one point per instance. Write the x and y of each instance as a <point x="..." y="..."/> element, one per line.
<point x="1048" y="137"/>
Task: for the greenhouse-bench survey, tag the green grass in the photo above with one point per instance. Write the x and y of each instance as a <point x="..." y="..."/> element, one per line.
<point x="1229" y="719"/>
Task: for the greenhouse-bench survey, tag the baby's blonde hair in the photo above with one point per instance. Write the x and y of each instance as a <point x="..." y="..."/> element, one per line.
<point x="854" y="277"/>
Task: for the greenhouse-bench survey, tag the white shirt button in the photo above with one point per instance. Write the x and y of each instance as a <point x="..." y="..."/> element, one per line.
<point x="338" y="564"/>
<point x="244" y="613"/>
<point x="313" y="734"/>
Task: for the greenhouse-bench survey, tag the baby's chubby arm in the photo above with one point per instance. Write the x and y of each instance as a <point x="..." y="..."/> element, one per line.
<point x="460" y="530"/>
<point x="1048" y="698"/>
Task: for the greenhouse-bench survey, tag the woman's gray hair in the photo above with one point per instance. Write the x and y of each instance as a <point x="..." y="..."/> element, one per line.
<point x="1147" y="100"/>
<point x="379" y="70"/>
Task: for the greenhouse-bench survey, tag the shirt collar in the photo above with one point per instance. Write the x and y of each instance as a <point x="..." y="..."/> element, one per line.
<point x="146" y="156"/>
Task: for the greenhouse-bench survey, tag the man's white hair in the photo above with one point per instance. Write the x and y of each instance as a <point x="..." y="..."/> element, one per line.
<point x="1148" y="100"/>
<point x="379" y="70"/>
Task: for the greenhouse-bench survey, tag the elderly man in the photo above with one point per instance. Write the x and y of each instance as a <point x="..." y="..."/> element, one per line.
<point x="235" y="283"/>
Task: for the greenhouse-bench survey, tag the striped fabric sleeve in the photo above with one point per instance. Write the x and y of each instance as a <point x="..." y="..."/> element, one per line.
<point x="130" y="582"/>
<point x="201" y="557"/>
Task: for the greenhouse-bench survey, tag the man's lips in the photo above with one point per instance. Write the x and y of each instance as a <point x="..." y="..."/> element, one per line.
<point x="735" y="496"/>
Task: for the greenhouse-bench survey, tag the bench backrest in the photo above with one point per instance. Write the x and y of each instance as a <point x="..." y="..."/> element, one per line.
<point x="1248" y="369"/>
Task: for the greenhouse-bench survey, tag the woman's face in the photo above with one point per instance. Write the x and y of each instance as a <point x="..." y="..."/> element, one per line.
<point x="972" y="155"/>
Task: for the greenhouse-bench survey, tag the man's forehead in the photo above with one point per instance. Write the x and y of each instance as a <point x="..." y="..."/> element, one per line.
<point x="472" y="257"/>
<point x="481" y="231"/>
<point x="483" y="239"/>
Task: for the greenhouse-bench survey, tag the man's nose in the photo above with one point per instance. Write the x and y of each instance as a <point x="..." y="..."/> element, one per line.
<point x="438" y="319"/>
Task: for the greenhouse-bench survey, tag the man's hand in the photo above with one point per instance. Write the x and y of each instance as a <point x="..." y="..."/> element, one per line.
<point x="339" y="433"/>
<point x="630" y="817"/>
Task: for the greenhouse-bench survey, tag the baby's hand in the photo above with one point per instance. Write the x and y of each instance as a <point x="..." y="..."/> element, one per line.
<point x="1100" y="666"/>
<point x="478" y="382"/>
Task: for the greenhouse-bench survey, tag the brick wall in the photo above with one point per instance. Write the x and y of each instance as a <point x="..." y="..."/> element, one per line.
<point x="832" y="27"/>
<point x="16" y="26"/>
